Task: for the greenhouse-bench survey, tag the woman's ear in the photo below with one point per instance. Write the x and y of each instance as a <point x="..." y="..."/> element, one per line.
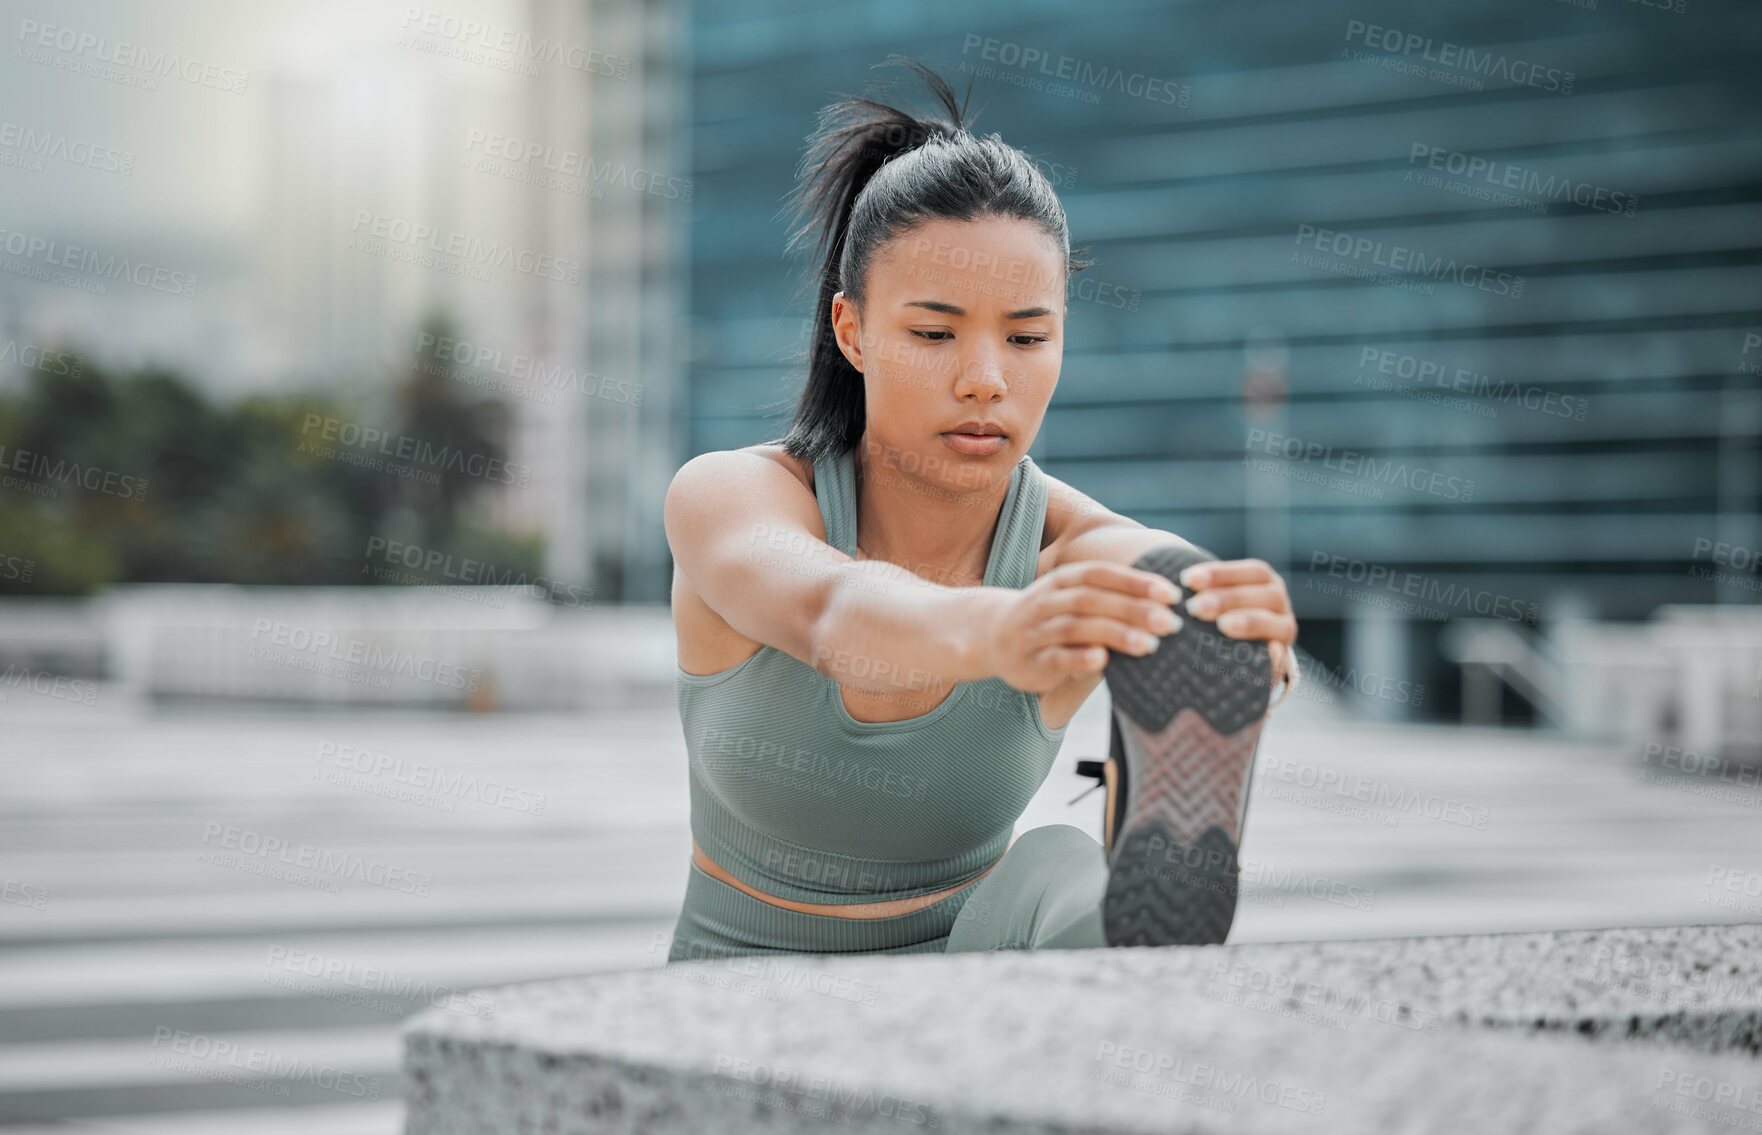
<point x="846" y="330"/>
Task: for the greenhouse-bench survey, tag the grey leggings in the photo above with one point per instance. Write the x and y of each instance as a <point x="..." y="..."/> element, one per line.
<point x="1045" y="893"/>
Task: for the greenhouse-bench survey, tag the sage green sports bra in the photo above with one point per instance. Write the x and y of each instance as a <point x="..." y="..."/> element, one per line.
<point x="797" y="798"/>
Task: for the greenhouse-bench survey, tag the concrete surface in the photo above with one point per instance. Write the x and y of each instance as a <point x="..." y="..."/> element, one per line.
<point x="1369" y="1036"/>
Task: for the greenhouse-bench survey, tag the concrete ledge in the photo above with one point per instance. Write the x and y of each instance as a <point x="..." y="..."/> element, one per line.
<point x="1468" y="1033"/>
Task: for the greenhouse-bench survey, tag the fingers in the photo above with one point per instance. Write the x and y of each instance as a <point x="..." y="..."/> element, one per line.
<point x="1117" y="577"/>
<point x="1080" y="630"/>
<point x="1144" y="614"/>
<point x="1226" y="573"/>
<point x="1074" y="659"/>
<point x="1211" y="604"/>
<point x="1257" y="623"/>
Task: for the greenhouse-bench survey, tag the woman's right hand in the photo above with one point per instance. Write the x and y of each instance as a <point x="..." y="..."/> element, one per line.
<point x="1064" y="622"/>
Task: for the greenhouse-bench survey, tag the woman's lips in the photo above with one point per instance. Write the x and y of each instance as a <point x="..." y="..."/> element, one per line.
<point x="975" y="445"/>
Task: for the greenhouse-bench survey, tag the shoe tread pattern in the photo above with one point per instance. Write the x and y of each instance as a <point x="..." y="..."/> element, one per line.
<point x="1188" y="719"/>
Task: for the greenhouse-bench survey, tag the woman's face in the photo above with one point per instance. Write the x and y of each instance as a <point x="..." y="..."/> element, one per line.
<point x="963" y="321"/>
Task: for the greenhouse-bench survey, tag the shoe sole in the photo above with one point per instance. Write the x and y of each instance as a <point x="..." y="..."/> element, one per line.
<point x="1190" y="715"/>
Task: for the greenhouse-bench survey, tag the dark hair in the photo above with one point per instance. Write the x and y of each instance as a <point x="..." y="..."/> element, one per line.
<point x="871" y="172"/>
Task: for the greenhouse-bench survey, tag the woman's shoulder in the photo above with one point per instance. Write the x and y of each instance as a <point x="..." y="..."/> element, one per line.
<point x="713" y="471"/>
<point x="802" y="471"/>
<point x="1069" y="513"/>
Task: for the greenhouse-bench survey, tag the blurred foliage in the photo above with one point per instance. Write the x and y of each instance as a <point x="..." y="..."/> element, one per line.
<point x="112" y="478"/>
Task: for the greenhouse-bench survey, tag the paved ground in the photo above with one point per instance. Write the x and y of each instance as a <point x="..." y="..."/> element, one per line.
<point x="162" y="974"/>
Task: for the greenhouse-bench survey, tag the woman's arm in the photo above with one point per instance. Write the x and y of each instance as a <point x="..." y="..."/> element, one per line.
<point x="749" y="537"/>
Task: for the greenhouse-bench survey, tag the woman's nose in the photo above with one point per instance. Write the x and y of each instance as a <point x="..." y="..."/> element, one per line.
<point x="981" y="374"/>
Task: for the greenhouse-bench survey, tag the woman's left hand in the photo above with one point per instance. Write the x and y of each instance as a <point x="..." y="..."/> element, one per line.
<point x="1247" y="599"/>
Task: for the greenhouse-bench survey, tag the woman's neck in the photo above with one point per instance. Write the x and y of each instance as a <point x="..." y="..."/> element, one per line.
<point x="942" y="532"/>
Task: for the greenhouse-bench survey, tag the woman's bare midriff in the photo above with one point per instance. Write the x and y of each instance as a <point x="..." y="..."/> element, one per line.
<point x="887" y="909"/>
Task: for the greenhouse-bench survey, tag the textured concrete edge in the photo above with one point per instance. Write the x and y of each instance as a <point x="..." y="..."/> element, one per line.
<point x="454" y="1087"/>
<point x="1736" y="1032"/>
<point x="1385" y="966"/>
<point x="541" y="1054"/>
<point x="1616" y="984"/>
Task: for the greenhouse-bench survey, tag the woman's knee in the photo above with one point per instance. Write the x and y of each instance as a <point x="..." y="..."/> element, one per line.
<point x="1054" y="841"/>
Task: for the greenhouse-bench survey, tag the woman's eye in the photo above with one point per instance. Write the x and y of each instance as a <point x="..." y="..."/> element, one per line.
<point x="1025" y="340"/>
<point x="934" y="336"/>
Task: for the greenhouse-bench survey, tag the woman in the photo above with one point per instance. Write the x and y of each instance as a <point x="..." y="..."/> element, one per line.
<point x="888" y="617"/>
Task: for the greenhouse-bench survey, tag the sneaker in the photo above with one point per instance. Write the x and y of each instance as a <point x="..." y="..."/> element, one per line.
<point x="1186" y="722"/>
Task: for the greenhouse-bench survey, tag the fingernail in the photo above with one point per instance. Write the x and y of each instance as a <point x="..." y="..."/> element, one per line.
<point x="1166" y="591"/>
<point x="1142" y="642"/>
<point x="1231" y="622"/>
<point x="1163" y="621"/>
<point x="1193" y="577"/>
<point x="1203" y="607"/>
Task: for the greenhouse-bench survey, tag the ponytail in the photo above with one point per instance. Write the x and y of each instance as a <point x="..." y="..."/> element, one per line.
<point x="870" y="171"/>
